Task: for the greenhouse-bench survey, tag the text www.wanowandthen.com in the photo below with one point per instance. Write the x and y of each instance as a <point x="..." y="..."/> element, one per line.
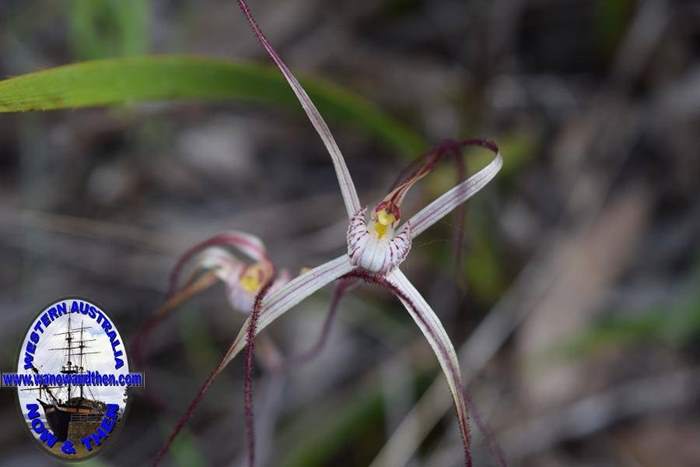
<point x="89" y="378"/>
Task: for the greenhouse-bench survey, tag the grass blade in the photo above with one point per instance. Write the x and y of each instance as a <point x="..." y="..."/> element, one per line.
<point x="176" y="77"/>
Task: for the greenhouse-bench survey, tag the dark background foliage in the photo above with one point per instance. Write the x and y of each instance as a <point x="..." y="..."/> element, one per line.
<point x="577" y="307"/>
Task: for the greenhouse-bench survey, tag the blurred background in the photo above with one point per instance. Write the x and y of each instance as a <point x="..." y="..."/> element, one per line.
<point x="576" y="310"/>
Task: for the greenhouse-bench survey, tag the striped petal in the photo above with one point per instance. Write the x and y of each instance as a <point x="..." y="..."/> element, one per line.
<point x="347" y="187"/>
<point x="442" y="206"/>
<point x="434" y="332"/>
<point x="279" y="301"/>
<point x="248" y="245"/>
<point x="206" y="268"/>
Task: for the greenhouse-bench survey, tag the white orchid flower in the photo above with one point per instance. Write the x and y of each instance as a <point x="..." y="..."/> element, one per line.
<point x="377" y="242"/>
<point x="243" y="275"/>
<point x="237" y="259"/>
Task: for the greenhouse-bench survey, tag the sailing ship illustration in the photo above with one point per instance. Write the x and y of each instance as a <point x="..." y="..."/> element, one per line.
<point x="72" y="411"/>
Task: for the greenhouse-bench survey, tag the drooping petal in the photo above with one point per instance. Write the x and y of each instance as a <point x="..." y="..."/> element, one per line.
<point x="203" y="265"/>
<point x="192" y="288"/>
<point x="279" y="301"/>
<point x="249" y="245"/>
<point x="210" y="266"/>
<point x="347" y="187"/>
<point x="392" y="201"/>
<point x="442" y="206"/>
<point x="434" y="332"/>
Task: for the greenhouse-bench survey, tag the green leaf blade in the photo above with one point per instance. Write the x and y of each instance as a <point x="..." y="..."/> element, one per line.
<point x="174" y="77"/>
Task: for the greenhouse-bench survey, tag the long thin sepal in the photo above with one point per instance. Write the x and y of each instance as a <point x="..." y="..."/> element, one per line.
<point x="459" y="218"/>
<point x="442" y="206"/>
<point x="434" y="332"/>
<point x="309" y="354"/>
<point x="279" y="301"/>
<point x="248" y="389"/>
<point x="347" y="187"/>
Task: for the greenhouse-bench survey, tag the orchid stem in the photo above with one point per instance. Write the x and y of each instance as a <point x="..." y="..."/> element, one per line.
<point x="248" y="382"/>
<point x="248" y="387"/>
<point x="186" y="416"/>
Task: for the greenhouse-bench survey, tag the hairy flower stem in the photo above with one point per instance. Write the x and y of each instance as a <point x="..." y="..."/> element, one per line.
<point x="248" y="388"/>
<point x="186" y="416"/>
<point x="248" y="382"/>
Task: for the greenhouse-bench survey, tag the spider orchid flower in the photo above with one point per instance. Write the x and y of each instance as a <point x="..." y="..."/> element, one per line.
<point x="378" y="242"/>
<point x="247" y="275"/>
<point x="243" y="278"/>
<point x="237" y="259"/>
